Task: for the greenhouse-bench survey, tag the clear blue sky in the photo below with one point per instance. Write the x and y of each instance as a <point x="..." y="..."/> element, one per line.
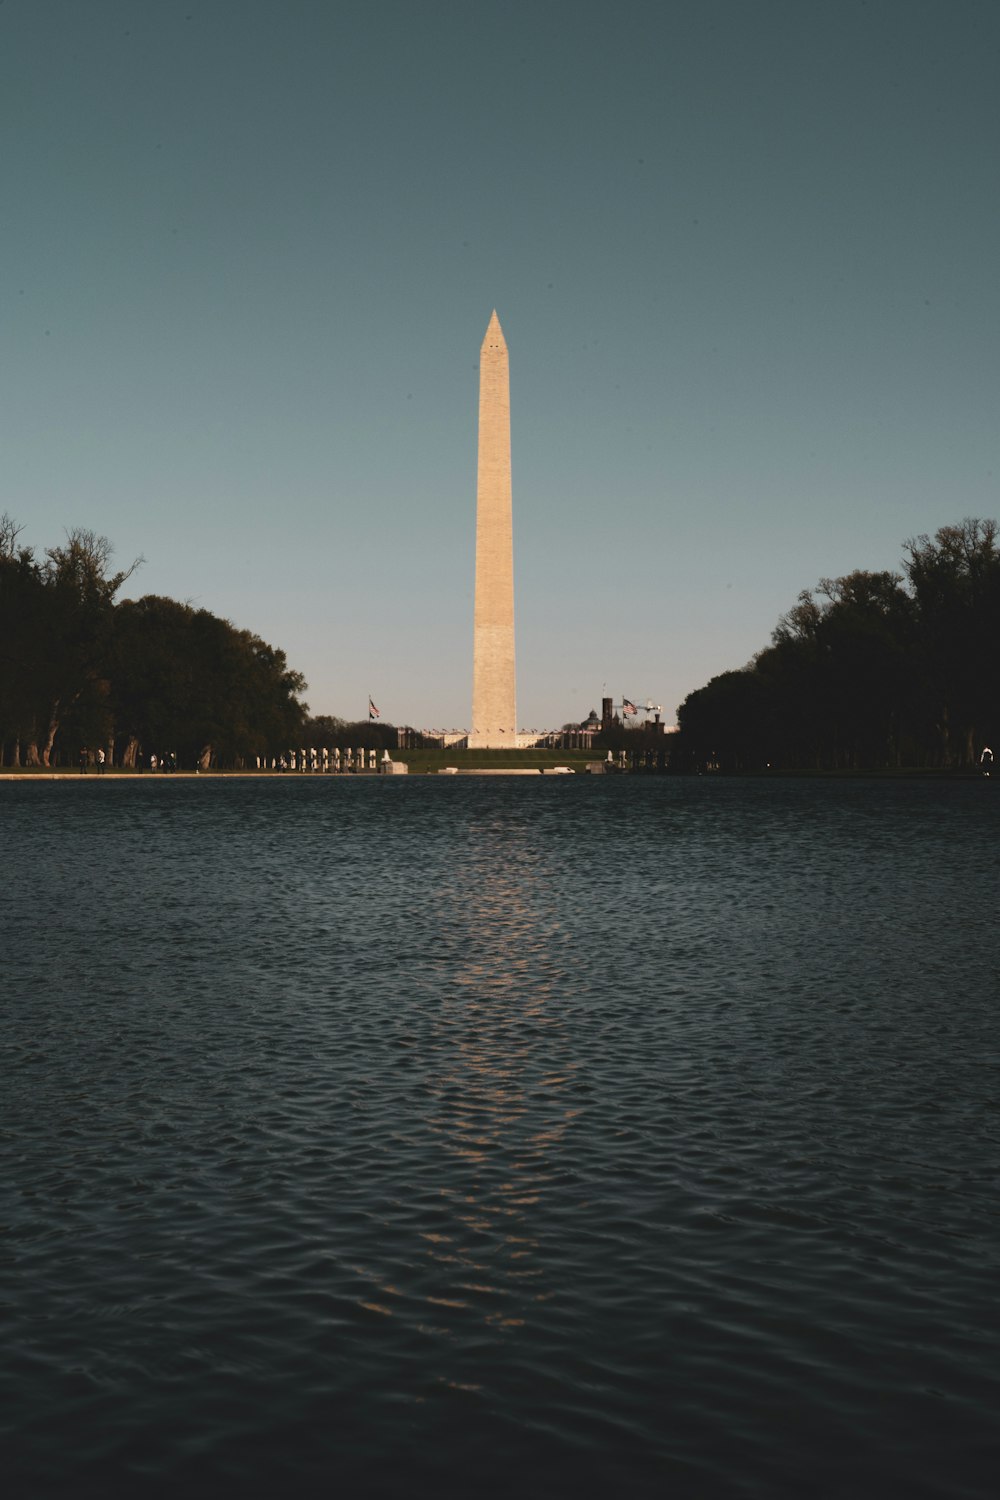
<point x="746" y="257"/>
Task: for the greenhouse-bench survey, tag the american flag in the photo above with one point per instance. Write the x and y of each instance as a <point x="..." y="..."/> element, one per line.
<point x="373" y="712"/>
<point x="628" y="708"/>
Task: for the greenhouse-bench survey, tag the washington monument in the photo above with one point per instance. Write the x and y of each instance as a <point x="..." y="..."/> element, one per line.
<point x="494" y="718"/>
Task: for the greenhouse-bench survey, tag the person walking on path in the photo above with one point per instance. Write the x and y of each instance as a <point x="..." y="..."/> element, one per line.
<point x="100" y="762"/>
<point x="83" y="761"/>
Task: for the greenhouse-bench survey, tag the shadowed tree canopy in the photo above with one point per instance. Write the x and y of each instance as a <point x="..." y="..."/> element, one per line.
<point x="142" y="676"/>
<point x="56" y="619"/>
<point x="871" y="670"/>
<point x="187" y="682"/>
<point x="358" y="734"/>
<point x="955" y="581"/>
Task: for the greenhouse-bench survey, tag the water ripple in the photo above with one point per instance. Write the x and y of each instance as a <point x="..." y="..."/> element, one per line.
<point x="586" y="1135"/>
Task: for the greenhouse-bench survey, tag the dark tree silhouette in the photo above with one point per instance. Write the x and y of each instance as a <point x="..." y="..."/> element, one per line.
<point x="142" y="676"/>
<point x="872" y="670"/>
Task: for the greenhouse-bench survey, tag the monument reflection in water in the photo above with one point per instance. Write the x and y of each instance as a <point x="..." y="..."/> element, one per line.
<point x="507" y="1037"/>
<point x="456" y="1135"/>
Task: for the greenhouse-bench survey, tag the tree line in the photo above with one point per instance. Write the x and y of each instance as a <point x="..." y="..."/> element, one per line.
<point x="868" y="671"/>
<point x="80" y="669"/>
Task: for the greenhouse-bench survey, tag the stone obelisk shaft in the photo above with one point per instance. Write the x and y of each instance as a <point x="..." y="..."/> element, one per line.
<point x="494" y="717"/>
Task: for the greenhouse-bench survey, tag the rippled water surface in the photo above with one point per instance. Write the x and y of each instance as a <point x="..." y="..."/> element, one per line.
<point x="473" y="1136"/>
